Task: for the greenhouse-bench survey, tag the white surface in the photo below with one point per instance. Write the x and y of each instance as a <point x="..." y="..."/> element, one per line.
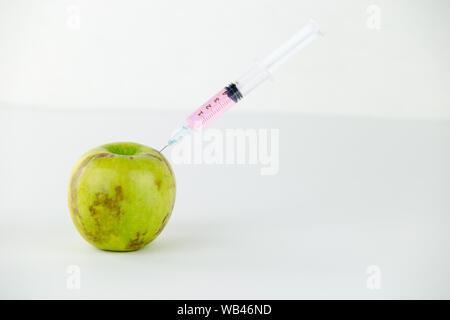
<point x="350" y="193"/>
<point x="174" y="54"/>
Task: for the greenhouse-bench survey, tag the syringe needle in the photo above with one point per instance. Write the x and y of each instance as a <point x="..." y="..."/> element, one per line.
<point x="163" y="148"/>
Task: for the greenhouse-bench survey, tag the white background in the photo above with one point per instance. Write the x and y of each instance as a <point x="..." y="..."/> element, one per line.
<point x="364" y="154"/>
<point x="172" y="54"/>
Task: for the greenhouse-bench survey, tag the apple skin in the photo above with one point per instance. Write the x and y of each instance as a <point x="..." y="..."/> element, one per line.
<point x="121" y="195"/>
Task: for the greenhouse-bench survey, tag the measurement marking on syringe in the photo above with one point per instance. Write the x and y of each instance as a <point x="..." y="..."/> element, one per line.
<point x="210" y="110"/>
<point x="216" y="110"/>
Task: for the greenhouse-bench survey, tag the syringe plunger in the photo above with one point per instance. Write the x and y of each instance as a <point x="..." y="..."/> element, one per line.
<point x="265" y="68"/>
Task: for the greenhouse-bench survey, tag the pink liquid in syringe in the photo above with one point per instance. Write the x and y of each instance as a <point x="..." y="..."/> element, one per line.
<point x="214" y="107"/>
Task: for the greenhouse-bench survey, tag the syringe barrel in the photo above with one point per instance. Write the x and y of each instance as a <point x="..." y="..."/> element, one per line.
<point x="214" y="107"/>
<point x="265" y="68"/>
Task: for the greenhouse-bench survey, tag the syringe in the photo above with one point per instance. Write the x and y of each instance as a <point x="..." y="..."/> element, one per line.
<point x="260" y="72"/>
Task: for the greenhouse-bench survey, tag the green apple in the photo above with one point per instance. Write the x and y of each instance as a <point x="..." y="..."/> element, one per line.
<point x="121" y="195"/>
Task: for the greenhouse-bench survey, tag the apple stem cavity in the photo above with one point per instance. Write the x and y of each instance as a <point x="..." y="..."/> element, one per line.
<point x="124" y="148"/>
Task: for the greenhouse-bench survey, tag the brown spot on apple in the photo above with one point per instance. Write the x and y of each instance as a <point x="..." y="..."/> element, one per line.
<point x="163" y="223"/>
<point x="102" y="199"/>
<point x="158" y="183"/>
<point x="78" y="220"/>
<point x="137" y="242"/>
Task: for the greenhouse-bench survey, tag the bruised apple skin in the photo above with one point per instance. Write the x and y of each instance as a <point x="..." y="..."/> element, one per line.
<point x="121" y="195"/>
